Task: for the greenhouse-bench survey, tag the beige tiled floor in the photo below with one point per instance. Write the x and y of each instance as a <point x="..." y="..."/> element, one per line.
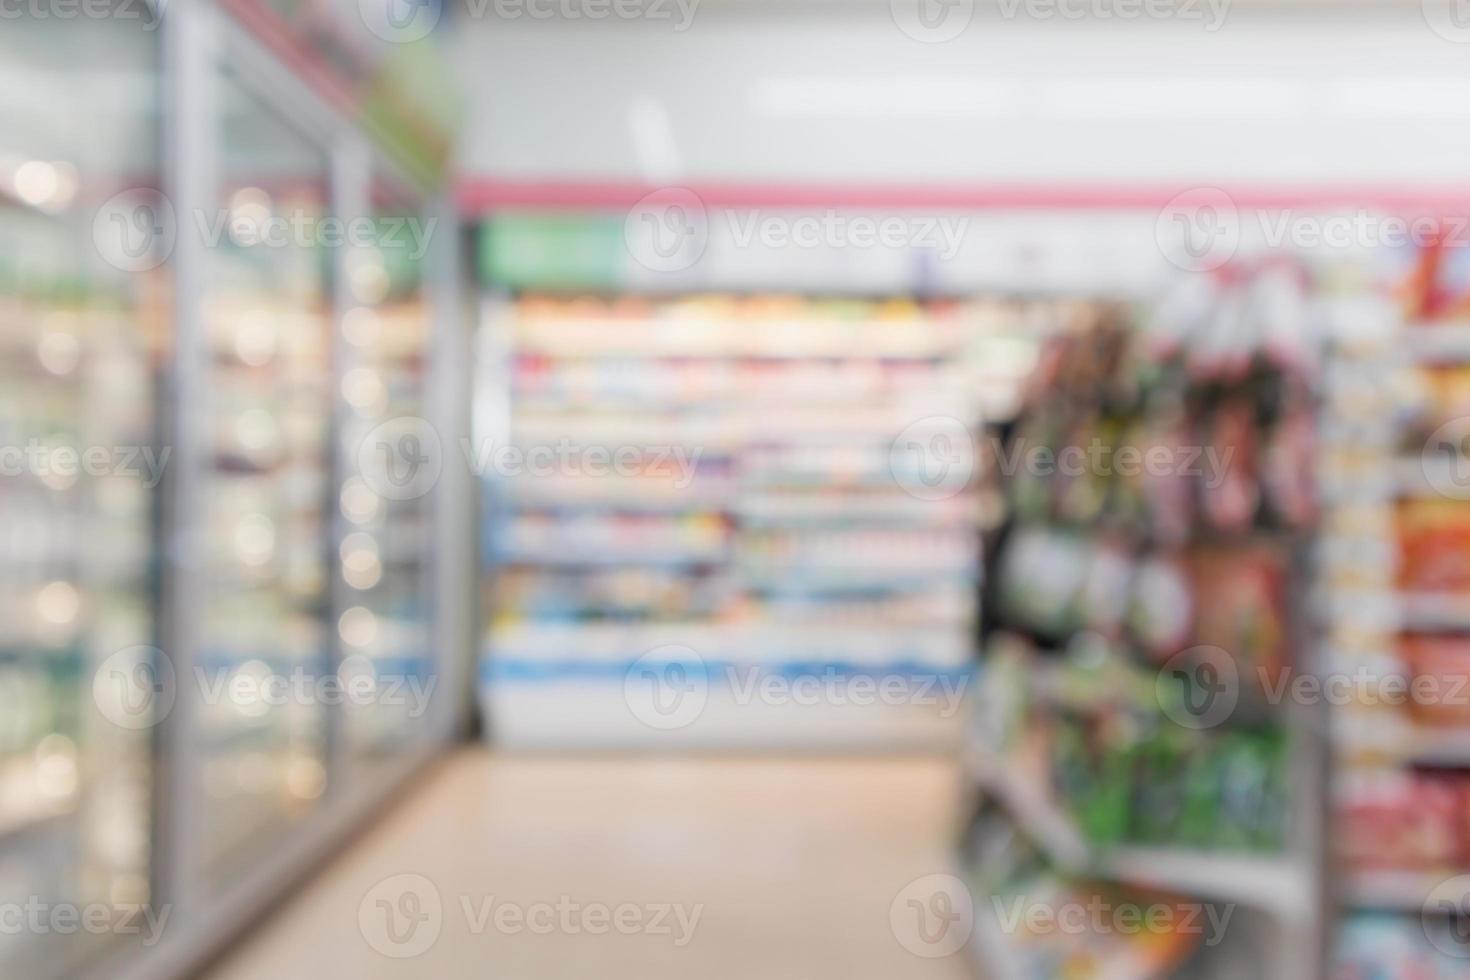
<point x="795" y="863"/>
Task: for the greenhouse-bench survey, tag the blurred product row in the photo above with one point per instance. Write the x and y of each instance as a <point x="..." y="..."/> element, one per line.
<point x="779" y="510"/>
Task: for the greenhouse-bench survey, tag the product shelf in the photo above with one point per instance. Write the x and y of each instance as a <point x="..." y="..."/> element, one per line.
<point x="1434" y="611"/>
<point x="1277" y="882"/>
<point x="1435" y="342"/>
<point x="1391" y="891"/>
<point x="793" y="405"/>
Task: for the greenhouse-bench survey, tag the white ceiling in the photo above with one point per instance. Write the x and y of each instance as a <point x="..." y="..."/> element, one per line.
<point x="818" y="91"/>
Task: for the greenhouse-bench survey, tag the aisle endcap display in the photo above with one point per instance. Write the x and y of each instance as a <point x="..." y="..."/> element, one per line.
<point x="1135" y="617"/>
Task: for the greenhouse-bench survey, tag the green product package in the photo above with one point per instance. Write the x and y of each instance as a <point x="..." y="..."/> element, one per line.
<point x="1161" y="786"/>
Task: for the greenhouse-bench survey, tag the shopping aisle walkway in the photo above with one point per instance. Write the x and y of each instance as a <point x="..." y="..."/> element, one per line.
<point x="794" y="862"/>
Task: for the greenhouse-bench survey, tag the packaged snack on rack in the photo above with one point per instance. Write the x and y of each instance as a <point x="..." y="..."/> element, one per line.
<point x="1242" y="596"/>
<point x="1380" y="946"/>
<point x="1439" y="679"/>
<point x="1399" y="820"/>
<point x="1233" y="495"/>
<point x="1434" y="546"/>
<point x="1162" y="606"/>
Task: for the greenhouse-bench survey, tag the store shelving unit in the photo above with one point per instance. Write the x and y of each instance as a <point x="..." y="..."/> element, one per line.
<point x="1066" y="641"/>
<point x="1401" y="764"/>
<point x="788" y="545"/>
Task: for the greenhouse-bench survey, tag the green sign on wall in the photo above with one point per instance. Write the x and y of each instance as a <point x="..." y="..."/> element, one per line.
<point x="551" y="251"/>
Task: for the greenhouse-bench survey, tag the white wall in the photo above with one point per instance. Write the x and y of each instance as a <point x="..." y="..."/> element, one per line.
<point x="811" y="91"/>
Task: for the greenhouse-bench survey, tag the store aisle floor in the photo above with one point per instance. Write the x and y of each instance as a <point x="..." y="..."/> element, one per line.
<point x="794" y="862"/>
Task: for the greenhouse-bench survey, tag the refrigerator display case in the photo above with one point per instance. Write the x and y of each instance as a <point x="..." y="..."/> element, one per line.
<point x="383" y="598"/>
<point x="267" y="465"/>
<point x="82" y="332"/>
<point x="219" y="649"/>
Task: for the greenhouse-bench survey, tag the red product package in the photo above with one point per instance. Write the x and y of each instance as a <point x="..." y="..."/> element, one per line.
<point x="1407" y="821"/>
<point x="1463" y="820"/>
<point x="1242" y="609"/>
<point x="1288" y="471"/>
<point x="1232" y="495"/>
<point x="1439" y="669"/>
<point x="1434" y="546"/>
